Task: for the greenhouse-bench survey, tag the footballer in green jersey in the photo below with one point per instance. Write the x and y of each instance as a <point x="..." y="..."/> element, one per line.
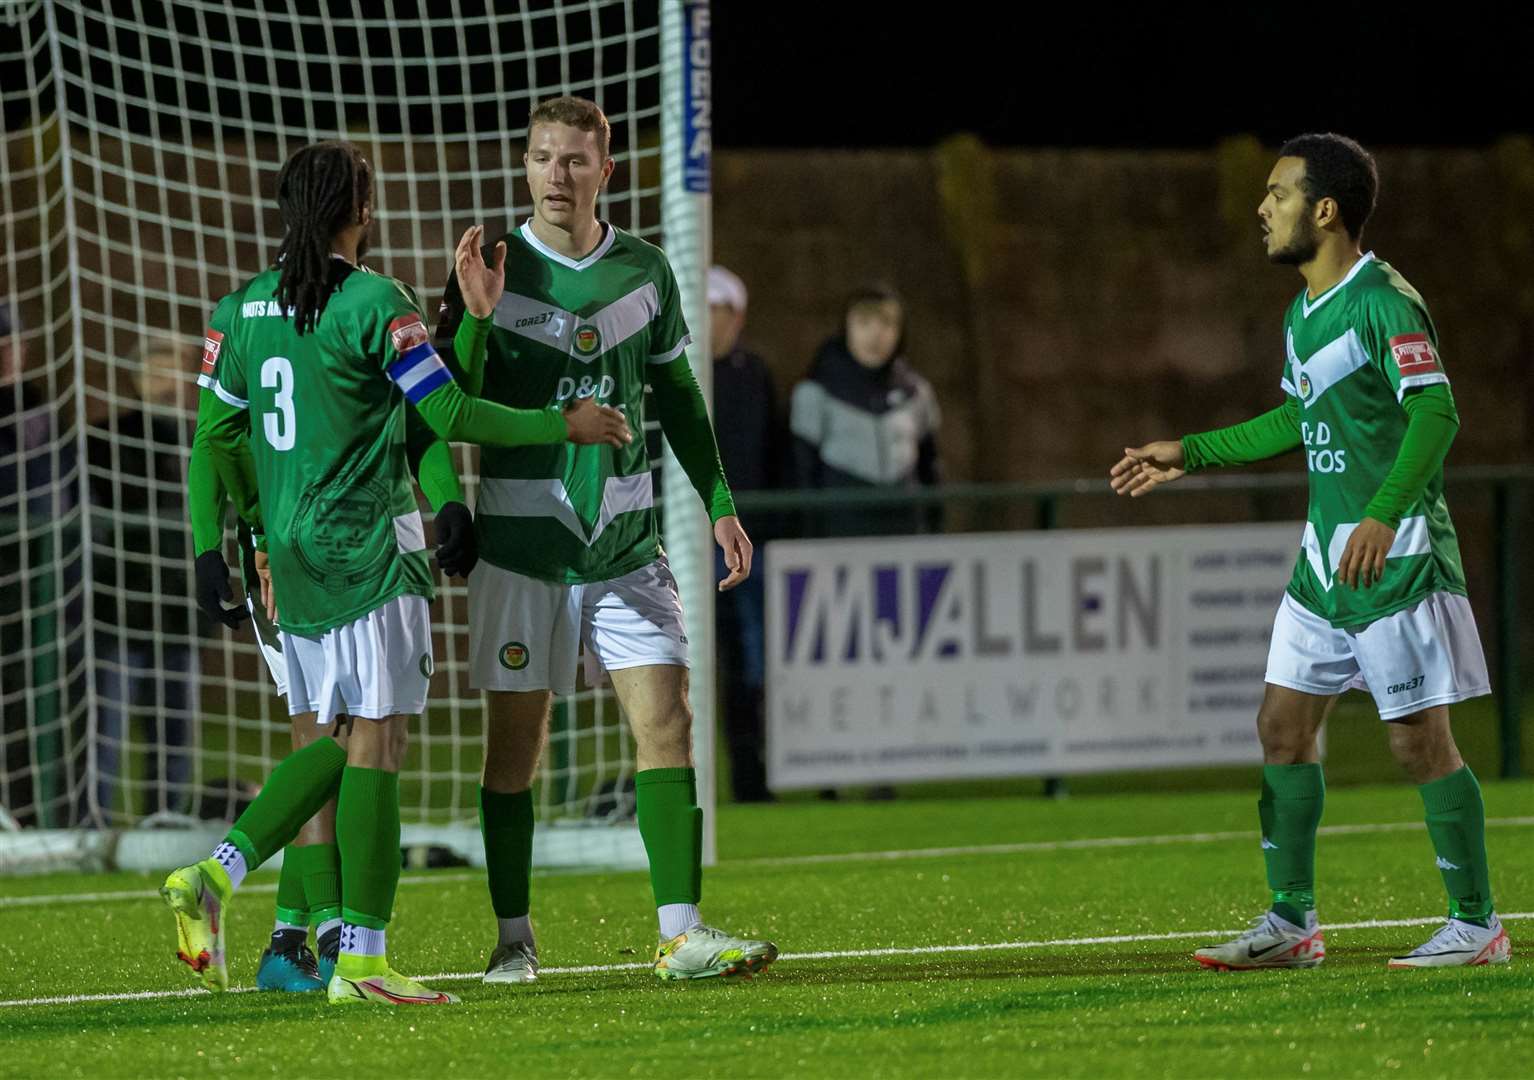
<point x="1377" y="599"/>
<point x="320" y="366"/>
<point x="569" y="545"/>
<point x="308" y="889"/>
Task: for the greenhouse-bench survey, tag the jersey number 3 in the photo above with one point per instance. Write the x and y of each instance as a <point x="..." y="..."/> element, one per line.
<point x="277" y="374"/>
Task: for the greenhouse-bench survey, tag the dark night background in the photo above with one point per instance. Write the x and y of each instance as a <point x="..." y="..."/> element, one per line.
<point x="825" y="75"/>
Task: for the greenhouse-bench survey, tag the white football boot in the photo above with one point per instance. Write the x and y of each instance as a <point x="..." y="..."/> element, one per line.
<point x="1459" y="944"/>
<point x="1272" y="942"/>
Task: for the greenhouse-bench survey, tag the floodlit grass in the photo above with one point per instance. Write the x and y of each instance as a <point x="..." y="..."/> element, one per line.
<point x="1035" y="1005"/>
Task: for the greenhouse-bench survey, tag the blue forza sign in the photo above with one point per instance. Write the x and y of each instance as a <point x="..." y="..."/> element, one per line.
<point x="697" y="98"/>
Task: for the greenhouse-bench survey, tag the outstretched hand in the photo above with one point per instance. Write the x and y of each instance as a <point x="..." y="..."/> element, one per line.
<point x="480" y="282"/>
<point x="1143" y="469"/>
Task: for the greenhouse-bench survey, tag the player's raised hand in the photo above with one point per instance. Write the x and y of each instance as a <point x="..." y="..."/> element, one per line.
<point x="1363" y="559"/>
<point x="590" y="424"/>
<point x="480" y="282"/>
<point x="731" y="536"/>
<point x="1143" y="469"/>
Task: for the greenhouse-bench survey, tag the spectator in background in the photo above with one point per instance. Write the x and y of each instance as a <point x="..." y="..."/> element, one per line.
<point x="38" y="565"/>
<point x="143" y="589"/>
<point x="751" y="440"/>
<point x="864" y="417"/>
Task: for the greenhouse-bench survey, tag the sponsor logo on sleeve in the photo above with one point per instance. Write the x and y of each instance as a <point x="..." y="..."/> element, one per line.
<point x="1414" y="355"/>
<point x="406" y="332"/>
<point x="211" y="344"/>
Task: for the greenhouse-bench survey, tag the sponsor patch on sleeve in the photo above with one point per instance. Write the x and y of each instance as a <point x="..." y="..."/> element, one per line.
<point x="1414" y="355"/>
<point x="211" y="344"/>
<point x="406" y="332"/>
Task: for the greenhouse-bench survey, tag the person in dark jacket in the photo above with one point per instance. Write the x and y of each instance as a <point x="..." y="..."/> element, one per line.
<point x="751" y="440"/>
<point x="145" y="628"/>
<point x="865" y="418"/>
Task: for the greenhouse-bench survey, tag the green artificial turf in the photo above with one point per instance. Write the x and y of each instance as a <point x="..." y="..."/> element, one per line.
<point x="842" y="878"/>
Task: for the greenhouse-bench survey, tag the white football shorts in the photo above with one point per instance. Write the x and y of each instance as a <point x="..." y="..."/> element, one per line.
<point x="377" y="666"/>
<point x="1429" y="654"/>
<point x="269" y="640"/>
<point x="526" y="634"/>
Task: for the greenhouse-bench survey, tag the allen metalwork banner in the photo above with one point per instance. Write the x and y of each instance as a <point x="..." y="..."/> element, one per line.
<point x="1017" y="654"/>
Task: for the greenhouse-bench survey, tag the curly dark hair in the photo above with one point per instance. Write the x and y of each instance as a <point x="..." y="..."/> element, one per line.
<point x="1338" y="168"/>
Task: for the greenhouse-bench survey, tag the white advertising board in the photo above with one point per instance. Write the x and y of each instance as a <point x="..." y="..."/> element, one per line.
<point x="1019" y="654"/>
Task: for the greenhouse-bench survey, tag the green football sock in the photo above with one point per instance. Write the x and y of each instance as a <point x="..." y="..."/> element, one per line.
<point x="671" y="825"/>
<point x="506" y="821"/>
<point x="367" y="833"/>
<point x="302" y="783"/>
<point x="1456" y="820"/>
<point x="292" y="908"/>
<point x="322" y="882"/>
<point x="1290" y="810"/>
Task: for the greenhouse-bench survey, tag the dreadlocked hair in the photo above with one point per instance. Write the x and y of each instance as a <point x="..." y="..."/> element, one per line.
<point x="320" y="191"/>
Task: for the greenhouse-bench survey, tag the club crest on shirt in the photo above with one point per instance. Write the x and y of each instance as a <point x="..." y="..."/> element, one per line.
<point x="587" y="340"/>
<point x="337" y="536"/>
<point x="406" y="332"/>
<point x="1304" y="386"/>
<point x="1414" y="354"/>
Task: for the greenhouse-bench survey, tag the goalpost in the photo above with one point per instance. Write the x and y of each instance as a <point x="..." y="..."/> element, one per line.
<point x="141" y="144"/>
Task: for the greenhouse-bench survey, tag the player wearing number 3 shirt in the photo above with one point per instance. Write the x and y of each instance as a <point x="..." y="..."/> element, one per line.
<point x="319" y="366"/>
<point x="1377" y="599"/>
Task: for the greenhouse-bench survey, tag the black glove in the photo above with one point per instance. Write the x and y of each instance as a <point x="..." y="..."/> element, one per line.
<point x="457" y="546"/>
<point x="213" y="589"/>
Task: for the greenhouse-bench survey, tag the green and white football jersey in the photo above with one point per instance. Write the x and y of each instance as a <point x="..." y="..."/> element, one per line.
<point x="327" y="419"/>
<point x="1352" y="353"/>
<point x="564" y="329"/>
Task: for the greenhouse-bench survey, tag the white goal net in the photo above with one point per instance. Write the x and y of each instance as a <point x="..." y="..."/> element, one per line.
<point x="141" y="144"/>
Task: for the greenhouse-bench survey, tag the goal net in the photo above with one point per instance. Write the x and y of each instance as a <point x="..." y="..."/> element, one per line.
<point x="141" y="144"/>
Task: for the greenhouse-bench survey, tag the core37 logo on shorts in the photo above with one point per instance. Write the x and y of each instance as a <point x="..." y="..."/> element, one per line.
<point x="514" y="656"/>
<point x="427" y="667"/>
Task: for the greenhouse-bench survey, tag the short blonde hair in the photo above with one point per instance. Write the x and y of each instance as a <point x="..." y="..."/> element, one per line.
<point x="580" y="113"/>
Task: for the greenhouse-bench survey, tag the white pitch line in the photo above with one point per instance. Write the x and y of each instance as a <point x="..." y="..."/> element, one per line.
<point x="1089" y="843"/>
<point x="1026" y="847"/>
<point x="150" y="894"/>
<point x="838" y="954"/>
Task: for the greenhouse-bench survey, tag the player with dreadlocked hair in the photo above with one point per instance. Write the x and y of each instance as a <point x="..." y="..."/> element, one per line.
<point x="317" y="367"/>
<point x="321" y="190"/>
<point x="318" y="190"/>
